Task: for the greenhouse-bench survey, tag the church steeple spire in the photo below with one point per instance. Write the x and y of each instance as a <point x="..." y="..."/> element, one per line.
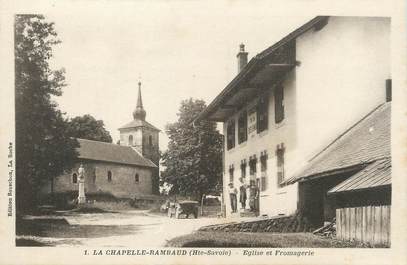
<point x="139" y="113"/>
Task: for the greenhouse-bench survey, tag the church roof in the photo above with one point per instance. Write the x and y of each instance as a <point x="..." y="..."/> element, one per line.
<point x="139" y="123"/>
<point x="101" y="151"/>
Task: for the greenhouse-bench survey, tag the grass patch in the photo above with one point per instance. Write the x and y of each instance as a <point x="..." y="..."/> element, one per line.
<point x="273" y="240"/>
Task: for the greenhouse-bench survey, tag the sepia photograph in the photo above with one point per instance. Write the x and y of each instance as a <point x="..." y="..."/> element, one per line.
<point x="183" y="130"/>
<point x="293" y="152"/>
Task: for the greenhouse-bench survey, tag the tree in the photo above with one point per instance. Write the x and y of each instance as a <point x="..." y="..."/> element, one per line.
<point x="43" y="149"/>
<point x="193" y="161"/>
<point x="87" y="127"/>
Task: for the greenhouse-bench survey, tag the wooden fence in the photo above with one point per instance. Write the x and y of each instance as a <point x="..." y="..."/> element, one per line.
<point x="369" y="224"/>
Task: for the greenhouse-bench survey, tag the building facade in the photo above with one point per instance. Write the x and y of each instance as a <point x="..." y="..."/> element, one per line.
<point x="127" y="170"/>
<point x="291" y="100"/>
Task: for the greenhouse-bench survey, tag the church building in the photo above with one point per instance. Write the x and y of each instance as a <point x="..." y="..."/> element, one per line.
<point x="126" y="170"/>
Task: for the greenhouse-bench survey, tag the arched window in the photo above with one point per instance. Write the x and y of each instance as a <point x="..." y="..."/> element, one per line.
<point x="109" y="176"/>
<point x="136" y="178"/>
<point x="74" y="178"/>
<point x="130" y="140"/>
<point x="150" y="140"/>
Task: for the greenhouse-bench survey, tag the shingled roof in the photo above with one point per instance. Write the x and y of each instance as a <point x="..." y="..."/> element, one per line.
<point x="363" y="143"/>
<point x="139" y="123"/>
<point x="376" y="174"/>
<point x="101" y="151"/>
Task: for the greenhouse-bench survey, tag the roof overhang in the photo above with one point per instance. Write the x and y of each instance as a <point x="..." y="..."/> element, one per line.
<point x="263" y="71"/>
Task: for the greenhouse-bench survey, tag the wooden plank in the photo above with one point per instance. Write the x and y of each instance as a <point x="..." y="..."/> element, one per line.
<point x="347" y="223"/>
<point x="377" y="224"/>
<point x="385" y="225"/>
<point x="389" y="228"/>
<point x="352" y="226"/>
<point x="338" y="221"/>
<point x="369" y="227"/>
<point x="364" y="224"/>
<point x="359" y="220"/>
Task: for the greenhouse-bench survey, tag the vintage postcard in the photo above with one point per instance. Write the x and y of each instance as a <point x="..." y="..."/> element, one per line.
<point x="198" y="132"/>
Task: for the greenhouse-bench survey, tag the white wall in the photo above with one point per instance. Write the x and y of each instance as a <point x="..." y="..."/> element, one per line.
<point x="341" y="77"/>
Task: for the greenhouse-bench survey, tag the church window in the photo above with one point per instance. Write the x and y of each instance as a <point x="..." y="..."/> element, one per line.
<point x="74" y="178"/>
<point x="130" y="140"/>
<point x="136" y="178"/>
<point x="150" y="140"/>
<point x="109" y="176"/>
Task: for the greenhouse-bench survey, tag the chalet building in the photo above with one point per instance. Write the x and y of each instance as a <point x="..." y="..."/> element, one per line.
<point x="293" y="100"/>
<point x="127" y="170"/>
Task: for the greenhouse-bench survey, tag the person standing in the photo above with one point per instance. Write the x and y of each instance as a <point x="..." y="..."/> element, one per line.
<point x="243" y="194"/>
<point x="233" y="198"/>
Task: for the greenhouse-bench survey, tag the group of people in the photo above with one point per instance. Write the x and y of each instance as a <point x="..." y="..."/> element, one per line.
<point x="253" y="196"/>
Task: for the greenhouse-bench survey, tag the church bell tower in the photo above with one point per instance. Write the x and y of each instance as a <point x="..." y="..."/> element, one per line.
<point x="142" y="137"/>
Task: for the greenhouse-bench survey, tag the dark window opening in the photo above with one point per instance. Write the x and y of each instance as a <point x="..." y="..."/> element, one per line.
<point x="242" y="127"/>
<point x="150" y="140"/>
<point x="131" y="140"/>
<point x="279" y="104"/>
<point x="252" y="165"/>
<point x="109" y="176"/>
<point x="280" y="163"/>
<point x="136" y="178"/>
<point x="74" y="178"/>
<point x="263" y="168"/>
<point x="243" y="168"/>
<point x="231" y="174"/>
<point x="262" y="113"/>
<point x="231" y="135"/>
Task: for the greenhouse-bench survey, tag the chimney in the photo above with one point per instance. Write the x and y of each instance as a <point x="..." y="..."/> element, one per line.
<point x="241" y="58"/>
<point x="388" y="90"/>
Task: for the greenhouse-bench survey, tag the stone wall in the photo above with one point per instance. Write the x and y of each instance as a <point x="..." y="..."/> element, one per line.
<point x="122" y="184"/>
<point x="283" y="224"/>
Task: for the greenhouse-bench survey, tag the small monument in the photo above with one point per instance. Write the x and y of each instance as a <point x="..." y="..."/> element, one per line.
<point x="81" y="180"/>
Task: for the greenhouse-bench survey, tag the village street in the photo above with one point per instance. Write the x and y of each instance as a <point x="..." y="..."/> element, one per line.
<point x="123" y="229"/>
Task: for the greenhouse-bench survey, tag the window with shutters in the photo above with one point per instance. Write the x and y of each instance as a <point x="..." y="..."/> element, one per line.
<point x="242" y="127"/>
<point x="262" y="113"/>
<point x="243" y="168"/>
<point x="231" y="135"/>
<point x="279" y="104"/>
<point x="280" y="152"/>
<point x="231" y="174"/>
<point x="252" y="165"/>
<point x="263" y="168"/>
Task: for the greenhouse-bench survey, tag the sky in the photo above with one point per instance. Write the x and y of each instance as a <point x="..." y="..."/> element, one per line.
<point x="177" y="50"/>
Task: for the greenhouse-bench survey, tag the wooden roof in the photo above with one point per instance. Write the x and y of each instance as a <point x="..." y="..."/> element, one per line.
<point x="376" y="174"/>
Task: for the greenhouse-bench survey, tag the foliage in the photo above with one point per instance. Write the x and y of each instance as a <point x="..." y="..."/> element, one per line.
<point x="87" y="127"/>
<point x="43" y="149"/>
<point x="193" y="161"/>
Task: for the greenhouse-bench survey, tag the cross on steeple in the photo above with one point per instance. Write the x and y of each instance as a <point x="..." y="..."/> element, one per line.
<point x="139" y="113"/>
